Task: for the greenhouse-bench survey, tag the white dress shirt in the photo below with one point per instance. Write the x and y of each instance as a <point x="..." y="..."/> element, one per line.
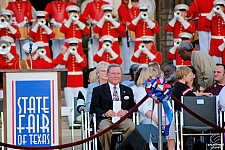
<point x="117" y="89"/>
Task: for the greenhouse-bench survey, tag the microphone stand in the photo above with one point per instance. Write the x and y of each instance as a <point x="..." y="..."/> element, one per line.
<point x="30" y="54"/>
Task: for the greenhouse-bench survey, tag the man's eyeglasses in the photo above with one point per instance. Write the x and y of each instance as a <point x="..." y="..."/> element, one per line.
<point x="118" y="74"/>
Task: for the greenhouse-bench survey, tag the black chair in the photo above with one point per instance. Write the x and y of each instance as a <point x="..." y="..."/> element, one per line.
<point x="207" y="108"/>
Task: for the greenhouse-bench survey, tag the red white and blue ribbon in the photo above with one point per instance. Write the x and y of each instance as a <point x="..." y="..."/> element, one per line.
<point x="157" y="89"/>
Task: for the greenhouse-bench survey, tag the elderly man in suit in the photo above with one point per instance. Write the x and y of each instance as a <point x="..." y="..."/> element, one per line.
<point x="103" y="99"/>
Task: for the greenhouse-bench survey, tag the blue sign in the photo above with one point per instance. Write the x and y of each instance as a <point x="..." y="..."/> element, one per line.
<point x="33" y="113"/>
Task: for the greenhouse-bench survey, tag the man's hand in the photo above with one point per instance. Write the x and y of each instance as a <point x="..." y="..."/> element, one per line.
<point x="64" y="50"/>
<point x="110" y="113"/>
<point x="90" y="20"/>
<point x="121" y="113"/>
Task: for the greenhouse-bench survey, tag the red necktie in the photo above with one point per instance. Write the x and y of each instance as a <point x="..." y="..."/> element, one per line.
<point x="115" y="94"/>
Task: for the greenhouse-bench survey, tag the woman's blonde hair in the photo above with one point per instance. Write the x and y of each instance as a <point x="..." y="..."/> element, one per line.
<point x="145" y="73"/>
<point x="93" y="76"/>
<point x="182" y="71"/>
<point x="156" y="66"/>
<point x="101" y="65"/>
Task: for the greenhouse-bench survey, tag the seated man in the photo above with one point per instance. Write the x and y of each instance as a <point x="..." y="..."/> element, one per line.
<point x="103" y="99"/>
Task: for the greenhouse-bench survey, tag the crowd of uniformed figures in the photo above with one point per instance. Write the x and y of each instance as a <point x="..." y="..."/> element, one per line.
<point x="198" y="33"/>
<point x="25" y="37"/>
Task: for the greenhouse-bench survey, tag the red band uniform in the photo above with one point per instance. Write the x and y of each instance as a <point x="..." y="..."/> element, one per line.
<point x="146" y="52"/>
<point x="10" y="30"/>
<point x="108" y="26"/>
<point x="75" y="61"/>
<point x="216" y="22"/>
<point x="73" y="27"/>
<point x="22" y="10"/>
<point x="143" y="26"/>
<point x="178" y="25"/>
<point x="41" y="32"/>
<point x="57" y="10"/>
<point x="8" y="56"/>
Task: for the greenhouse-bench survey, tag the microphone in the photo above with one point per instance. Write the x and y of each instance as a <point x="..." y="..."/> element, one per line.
<point x="30" y="47"/>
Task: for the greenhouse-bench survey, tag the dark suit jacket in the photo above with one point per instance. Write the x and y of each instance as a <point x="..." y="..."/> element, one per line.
<point x="102" y="100"/>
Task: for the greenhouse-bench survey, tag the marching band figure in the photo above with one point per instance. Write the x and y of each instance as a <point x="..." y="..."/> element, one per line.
<point x="108" y="26"/>
<point x="8" y="55"/>
<point x="57" y="11"/>
<point x="177" y="25"/>
<point x="146" y="52"/>
<point x="173" y="54"/>
<point x="92" y="14"/>
<point x="143" y="26"/>
<point x="6" y="29"/>
<point x="22" y="16"/>
<point x="107" y="53"/>
<point x="75" y="61"/>
<point x="73" y="27"/>
<point x="124" y="16"/>
<point x="202" y="7"/>
<point x="215" y="20"/>
<point x="22" y="11"/>
<point x="39" y="58"/>
<point x="40" y="32"/>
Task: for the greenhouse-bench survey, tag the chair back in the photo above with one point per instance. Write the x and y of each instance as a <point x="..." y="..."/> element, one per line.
<point x="206" y="107"/>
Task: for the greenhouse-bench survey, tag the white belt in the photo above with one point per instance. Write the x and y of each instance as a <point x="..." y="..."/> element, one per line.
<point x="138" y="39"/>
<point x="13" y="44"/>
<point x="115" y="39"/>
<point x="217" y="37"/>
<point x="45" y="44"/>
<point x="203" y="14"/>
<point x="75" y="73"/>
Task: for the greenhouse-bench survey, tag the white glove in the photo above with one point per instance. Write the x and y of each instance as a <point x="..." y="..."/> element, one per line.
<point x="221" y="47"/>
<point x="54" y="23"/>
<point x="80" y="24"/>
<point x="210" y="15"/>
<point x="66" y="55"/>
<point x="113" y="54"/>
<point x="101" y="22"/>
<point x="115" y="23"/>
<point x="150" y="55"/>
<point x="47" y="29"/>
<point x="173" y="21"/>
<point x="78" y="57"/>
<point x="94" y="22"/>
<point x="173" y="49"/>
<point x="221" y="13"/>
<point x="135" y="21"/>
<point x="35" y="27"/>
<point x="137" y="53"/>
<point x="46" y="58"/>
<point x="69" y="21"/>
<point x="36" y="55"/>
<point x="150" y="23"/>
<point x="183" y="22"/>
<point x="10" y="56"/>
<point x="101" y="51"/>
<point x="11" y="29"/>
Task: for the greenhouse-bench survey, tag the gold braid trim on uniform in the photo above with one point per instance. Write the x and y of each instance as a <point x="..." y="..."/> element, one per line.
<point x="23" y="64"/>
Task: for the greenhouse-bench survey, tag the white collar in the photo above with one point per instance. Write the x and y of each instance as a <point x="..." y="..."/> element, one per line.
<point x="112" y="86"/>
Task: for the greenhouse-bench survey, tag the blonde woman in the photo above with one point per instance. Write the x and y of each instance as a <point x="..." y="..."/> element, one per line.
<point x="148" y="114"/>
<point x="101" y="72"/>
<point x="184" y="75"/>
<point x="140" y="92"/>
